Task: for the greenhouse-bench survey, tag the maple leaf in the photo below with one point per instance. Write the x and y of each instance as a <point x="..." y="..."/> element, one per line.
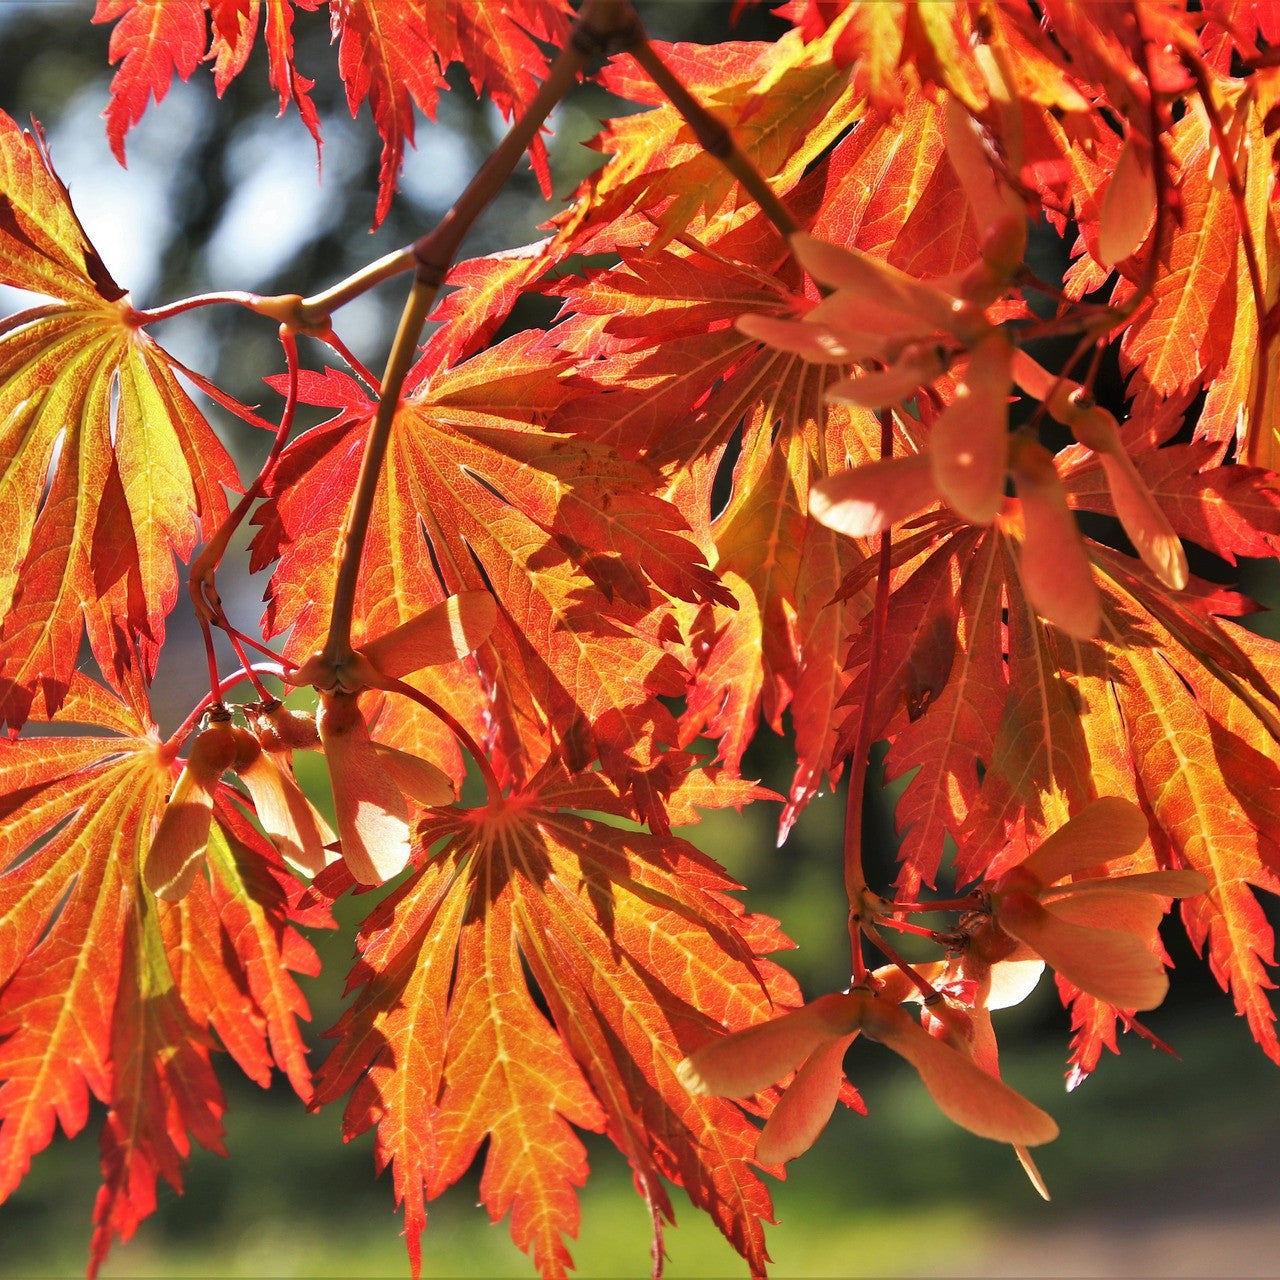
<point x="1205" y="324"/>
<point x="778" y="644"/>
<point x="499" y="46"/>
<point x="897" y="48"/>
<point x="889" y="188"/>
<point x="569" y="538"/>
<point x="680" y="386"/>
<point x="480" y="295"/>
<point x="104" y="991"/>
<point x="635" y="185"/>
<point x="1166" y="705"/>
<point x="87" y="397"/>
<point x="951" y="671"/>
<point x="1169" y="711"/>
<point x="234" y="26"/>
<point x="991" y="741"/>
<point x="395" y="56"/>
<point x="387" y="54"/>
<point x="289" y="83"/>
<point x="871" y="40"/>
<point x="234" y="30"/>
<point x="898" y="43"/>
<point x="786" y="103"/>
<point x="1240" y="403"/>
<point x="151" y="40"/>
<point x="634" y="491"/>
<point x="638" y="954"/>
<point x="1184" y="338"/>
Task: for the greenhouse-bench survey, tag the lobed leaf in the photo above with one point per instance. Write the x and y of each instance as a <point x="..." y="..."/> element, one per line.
<point x="89" y="400"/>
<point x="107" y="993"/>
<point x="151" y="41"/>
<point x="394" y="56"/>
<point x="636" y="952"/>
<point x="1184" y="338"/>
<point x="573" y="543"/>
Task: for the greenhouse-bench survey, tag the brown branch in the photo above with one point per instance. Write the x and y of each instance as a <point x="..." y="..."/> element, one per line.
<point x="716" y="139"/>
<point x="603" y="26"/>
<point x="855" y="879"/>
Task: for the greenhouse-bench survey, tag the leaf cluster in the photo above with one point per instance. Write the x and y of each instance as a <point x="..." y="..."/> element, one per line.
<point x="738" y="481"/>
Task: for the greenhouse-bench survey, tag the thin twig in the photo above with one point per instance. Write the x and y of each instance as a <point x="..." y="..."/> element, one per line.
<point x="602" y="26"/>
<point x="716" y="139"/>
<point x="855" y="879"/>
<point x="173" y="744"/>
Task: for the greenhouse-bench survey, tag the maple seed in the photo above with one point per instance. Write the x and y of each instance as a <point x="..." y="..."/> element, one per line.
<point x="182" y="836"/>
<point x="746" y="1062"/>
<point x="872" y="498"/>
<point x="281" y="730"/>
<point x="1071" y="404"/>
<point x="823" y="338"/>
<point x="1149" y="530"/>
<point x="443" y="633"/>
<point x="373" y="818"/>
<point x="807" y="1105"/>
<point x="1128" y="205"/>
<point x="1098" y="931"/>
<point x="420" y="780"/>
<point x="969" y="1030"/>
<point x="918" y="364"/>
<point x="871" y="282"/>
<point x="370" y="782"/>
<point x="290" y="820"/>
<point x="449" y="630"/>
<point x="964" y="1092"/>
<point x="1053" y="565"/>
<point x="996" y="208"/>
<point x="969" y="444"/>
<point x="1003" y="244"/>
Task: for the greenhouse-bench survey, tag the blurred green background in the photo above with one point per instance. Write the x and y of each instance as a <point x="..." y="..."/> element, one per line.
<point x="1163" y="1168"/>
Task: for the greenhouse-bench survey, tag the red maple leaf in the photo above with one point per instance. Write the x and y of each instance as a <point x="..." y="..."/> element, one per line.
<point x="105" y="992"/>
<point x="152" y="39"/>
<point x="639" y="955"/>
<point x="571" y="540"/>
<point x="87" y="397"/>
<point x="395" y="56"/>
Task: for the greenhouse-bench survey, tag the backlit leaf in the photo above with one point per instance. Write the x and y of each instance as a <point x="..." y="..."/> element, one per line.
<point x="111" y="995"/>
<point x="573" y="542"/>
<point x="152" y="39"/>
<point x="395" y="55"/>
<point x="638" y="954"/>
<point x="107" y="469"/>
